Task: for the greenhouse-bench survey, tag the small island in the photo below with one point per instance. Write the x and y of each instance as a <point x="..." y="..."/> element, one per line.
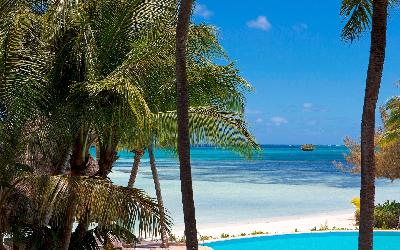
<point x="307" y="147"/>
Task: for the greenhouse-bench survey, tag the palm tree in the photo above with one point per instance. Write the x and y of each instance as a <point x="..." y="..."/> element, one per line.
<point x="362" y="13"/>
<point x="107" y="96"/>
<point x="157" y="186"/>
<point x="135" y="167"/>
<point x="183" y="126"/>
<point x="61" y="51"/>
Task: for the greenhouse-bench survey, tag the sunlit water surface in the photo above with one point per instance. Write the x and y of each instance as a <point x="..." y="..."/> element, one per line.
<point x="280" y="181"/>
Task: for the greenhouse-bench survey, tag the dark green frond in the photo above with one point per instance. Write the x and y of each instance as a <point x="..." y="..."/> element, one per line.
<point x="358" y="15"/>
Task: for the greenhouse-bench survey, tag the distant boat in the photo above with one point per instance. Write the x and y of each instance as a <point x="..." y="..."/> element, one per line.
<point x="307" y="147"/>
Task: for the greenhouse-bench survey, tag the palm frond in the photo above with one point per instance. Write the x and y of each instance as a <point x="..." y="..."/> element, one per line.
<point x="109" y="205"/>
<point x="22" y="66"/>
<point x="207" y="125"/>
<point x="391" y="121"/>
<point x="358" y="14"/>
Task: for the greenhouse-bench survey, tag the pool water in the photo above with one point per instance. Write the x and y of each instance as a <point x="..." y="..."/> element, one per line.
<point x="309" y="241"/>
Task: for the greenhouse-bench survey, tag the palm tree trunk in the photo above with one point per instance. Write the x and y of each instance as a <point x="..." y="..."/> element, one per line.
<point x="69" y="221"/>
<point x="107" y="158"/>
<point x="164" y="235"/>
<point x="135" y="167"/>
<point x="78" y="162"/>
<point x="83" y="225"/>
<point x="183" y="126"/>
<point x="80" y="153"/>
<point x="373" y="82"/>
<point x="15" y="246"/>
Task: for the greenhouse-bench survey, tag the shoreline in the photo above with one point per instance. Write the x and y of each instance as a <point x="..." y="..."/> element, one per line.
<point x="278" y="225"/>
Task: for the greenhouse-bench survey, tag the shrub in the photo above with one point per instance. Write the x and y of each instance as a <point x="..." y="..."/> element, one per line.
<point x="258" y="232"/>
<point x="205" y="238"/>
<point x="387" y="215"/>
<point x="224" y="235"/>
<point x="356" y="204"/>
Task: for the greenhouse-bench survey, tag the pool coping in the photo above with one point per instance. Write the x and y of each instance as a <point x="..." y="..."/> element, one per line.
<point x="291" y="233"/>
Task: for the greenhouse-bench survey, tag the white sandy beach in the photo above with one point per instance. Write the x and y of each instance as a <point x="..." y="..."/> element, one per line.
<point x="282" y="225"/>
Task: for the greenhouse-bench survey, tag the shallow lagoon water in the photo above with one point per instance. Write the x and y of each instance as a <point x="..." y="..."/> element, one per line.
<point x="280" y="181"/>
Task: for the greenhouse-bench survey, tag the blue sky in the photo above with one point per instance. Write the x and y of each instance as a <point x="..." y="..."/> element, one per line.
<point x="309" y="84"/>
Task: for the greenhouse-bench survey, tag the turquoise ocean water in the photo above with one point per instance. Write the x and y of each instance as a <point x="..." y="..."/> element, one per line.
<point x="280" y="181"/>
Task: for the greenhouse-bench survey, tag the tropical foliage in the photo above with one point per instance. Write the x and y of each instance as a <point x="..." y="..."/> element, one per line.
<point x="79" y="73"/>
<point x="386" y="214"/>
<point x="387" y="139"/>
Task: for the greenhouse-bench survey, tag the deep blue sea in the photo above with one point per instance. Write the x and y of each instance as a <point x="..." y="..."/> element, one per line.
<point x="279" y="181"/>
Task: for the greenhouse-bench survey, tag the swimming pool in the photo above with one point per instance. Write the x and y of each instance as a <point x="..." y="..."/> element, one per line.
<point x="309" y="241"/>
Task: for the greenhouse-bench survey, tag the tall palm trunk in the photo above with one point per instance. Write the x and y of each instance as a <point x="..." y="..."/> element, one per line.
<point x="135" y="167"/>
<point x="164" y="235"/>
<point x="183" y="125"/>
<point x="374" y="77"/>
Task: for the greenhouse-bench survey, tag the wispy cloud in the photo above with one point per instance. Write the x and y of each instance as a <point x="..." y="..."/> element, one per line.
<point x="253" y="112"/>
<point x="259" y="120"/>
<point x="202" y="11"/>
<point x="261" y="23"/>
<point x="307" y="106"/>
<point x="310" y="107"/>
<point x="300" y="27"/>
<point x="278" y="121"/>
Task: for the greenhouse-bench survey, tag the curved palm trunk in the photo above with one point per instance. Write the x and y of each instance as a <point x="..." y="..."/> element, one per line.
<point x="183" y="126"/>
<point x="135" y="167"/>
<point x="374" y="77"/>
<point x="164" y="235"/>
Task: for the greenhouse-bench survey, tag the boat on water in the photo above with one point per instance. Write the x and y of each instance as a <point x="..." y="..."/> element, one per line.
<point x="307" y="147"/>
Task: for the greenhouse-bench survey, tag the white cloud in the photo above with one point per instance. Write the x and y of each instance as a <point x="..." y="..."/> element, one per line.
<point x="259" y="120"/>
<point x="299" y="27"/>
<point x="278" y="120"/>
<point x="307" y="106"/>
<point x="261" y="23"/>
<point x="202" y="11"/>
